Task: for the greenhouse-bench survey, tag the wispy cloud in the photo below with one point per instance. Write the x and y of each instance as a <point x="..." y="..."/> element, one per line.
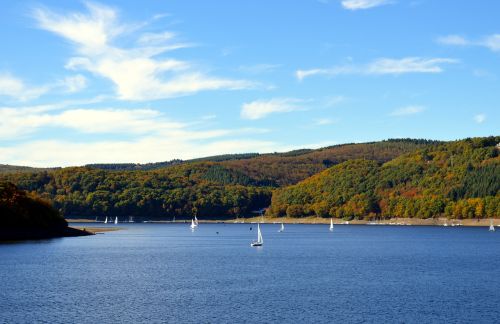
<point x="383" y="66"/>
<point x="407" y="111"/>
<point x="492" y="42"/>
<point x="137" y="72"/>
<point x="480" y="118"/>
<point x="364" y="4"/>
<point x="74" y="83"/>
<point x="258" y="68"/>
<point x="17" y="89"/>
<point x="261" y="108"/>
<point x="323" y="121"/>
<point x="453" y="40"/>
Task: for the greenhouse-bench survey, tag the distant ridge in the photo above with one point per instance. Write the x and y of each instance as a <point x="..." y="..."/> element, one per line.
<point x="4" y="168"/>
<point x="224" y="186"/>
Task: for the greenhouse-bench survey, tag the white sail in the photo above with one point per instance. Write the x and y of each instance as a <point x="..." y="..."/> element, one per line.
<point x="282" y="227"/>
<point x="195" y="220"/>
<point x="106" y="220"/>
<point x="193" y="225"/>
<point x="260" y="240"/>
<point x="259" y="235"/>
<point x="492" y="228"/>
<point x="116" y="220"/>
<point x="331" y="224"/>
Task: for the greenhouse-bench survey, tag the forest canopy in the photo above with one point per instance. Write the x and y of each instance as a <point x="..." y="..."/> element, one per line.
<point x="400" y="177"/>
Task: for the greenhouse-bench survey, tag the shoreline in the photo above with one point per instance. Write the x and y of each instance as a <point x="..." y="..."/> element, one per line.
<point x="442" y="221"/>
<point x="27" y="234"/>
<point x="96" y="230"/>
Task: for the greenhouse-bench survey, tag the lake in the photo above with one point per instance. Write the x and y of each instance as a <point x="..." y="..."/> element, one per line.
<point x="157" y="273"/>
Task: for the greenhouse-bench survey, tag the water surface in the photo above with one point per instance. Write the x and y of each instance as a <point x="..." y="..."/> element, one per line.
<point x="157" y="273"/>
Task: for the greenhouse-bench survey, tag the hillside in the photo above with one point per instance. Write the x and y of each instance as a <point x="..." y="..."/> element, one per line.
<point x="204" y="189"/>
<point x="457" y="179"/>
<point x="5" y="168"/>
<point x="283" y="169"/>
<point x="27" y="217"/>
<point x="216" y="187"/>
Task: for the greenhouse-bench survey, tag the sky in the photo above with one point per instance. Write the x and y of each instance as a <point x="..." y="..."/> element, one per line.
<point x="148" y="81"/>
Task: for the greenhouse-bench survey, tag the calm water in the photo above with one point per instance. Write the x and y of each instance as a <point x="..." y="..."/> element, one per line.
<point x="158" y="273"/>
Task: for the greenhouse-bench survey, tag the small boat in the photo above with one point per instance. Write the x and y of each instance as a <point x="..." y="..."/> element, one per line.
<point x="116" y="220"/>
<point x="195" y="220"/>
<point x="260" y="240"/>
<point x="193" y="224"/>
<point x="331" y="224"/>
<point x="131" y="219"/>
<point x="282" y="228"/>
<point x="492" y="228"/>
<point x="106" y="220"/>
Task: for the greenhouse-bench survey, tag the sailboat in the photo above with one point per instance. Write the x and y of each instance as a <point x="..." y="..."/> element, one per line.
<point x="260" y="240"/>
<point x="193" y="224"/>
<point x="195" y="220"/>
<point x="116" y="220"/>
<point x="492" y="228"/>
<point x="331" y="224"/>
<point x="282" y="228"/>
<point x="106" y="220"/>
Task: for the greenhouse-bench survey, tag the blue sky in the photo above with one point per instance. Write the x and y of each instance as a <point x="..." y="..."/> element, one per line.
<point x="128" y="81"/>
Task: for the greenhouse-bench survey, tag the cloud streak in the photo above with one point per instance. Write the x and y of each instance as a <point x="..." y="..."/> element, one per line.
<point x="407" y="111"/>
<point x="262" y="108"/>
<point x="491" y="42"/>
<point x="140" y="72"/>
<point x="480" y="118"/>
<point x="382" y="66"/>
<point x="15" y="88"/>
<point x="363" y="4"/>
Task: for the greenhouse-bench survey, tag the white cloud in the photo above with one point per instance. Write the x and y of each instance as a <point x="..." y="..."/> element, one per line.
<point x="261" y="108"/>
<point x="492" y="42"/>
<point x="136" y="72"/>
<point x="51" y="153"/>
<point x="480" y="118"/>
<point x="258" y="68"/>
<point x="334" y="100"/>
<point x="383" y="66"/>
<point x="407" y="111"/>
<point x="363" y="4"/>
<point x="323" y="121"/>
<point x="16" y="89"/>
<point x="408" y="65"/>
<point x="453" y="40"/>
<point x="74" y="83"/>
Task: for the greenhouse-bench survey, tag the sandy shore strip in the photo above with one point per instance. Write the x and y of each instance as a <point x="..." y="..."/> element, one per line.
<point x="394" y="221"/>
<point x="96" y="230"/>
<point x="318" y="220"/>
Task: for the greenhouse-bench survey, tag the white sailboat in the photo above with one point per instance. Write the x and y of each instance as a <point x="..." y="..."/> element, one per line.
<point x="492" y="228"/>
<point x="195" y="220"/>
<point x="260" y="240"/>
<point x="106" y="220"/>
<point x="193" y="224"/>
<point x="116" y="220"/>
<point x="282" y="228"/>
<point x="331" y="224"/>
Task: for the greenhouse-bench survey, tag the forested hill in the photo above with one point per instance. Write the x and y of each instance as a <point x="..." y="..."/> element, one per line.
<point x="457" y="179"/>
<point x="282" y="169"/>
<point x="216" y="187"/>
<point x="24" y="216"/>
